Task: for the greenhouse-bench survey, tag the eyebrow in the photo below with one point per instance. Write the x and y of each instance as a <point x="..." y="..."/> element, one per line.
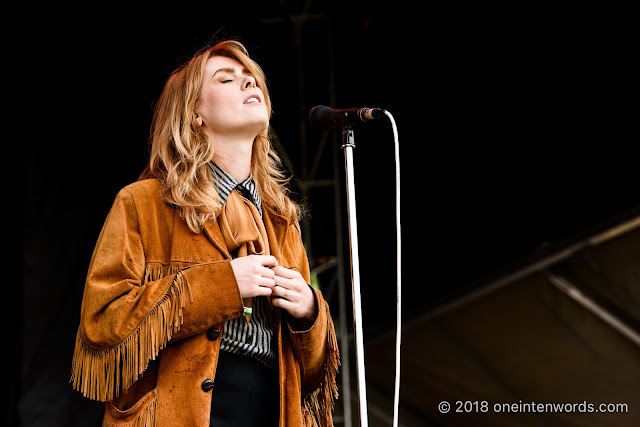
<point x="231" y="71"/>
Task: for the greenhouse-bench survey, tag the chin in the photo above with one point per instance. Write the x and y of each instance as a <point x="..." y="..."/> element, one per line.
<point x="261" y="126"/>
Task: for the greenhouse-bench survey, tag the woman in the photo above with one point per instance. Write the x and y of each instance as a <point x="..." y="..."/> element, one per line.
<point x="196" y="309"/>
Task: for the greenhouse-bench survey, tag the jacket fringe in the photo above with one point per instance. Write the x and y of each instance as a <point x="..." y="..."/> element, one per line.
<point x="102" y="374"/>
<point x="317" y="406"/>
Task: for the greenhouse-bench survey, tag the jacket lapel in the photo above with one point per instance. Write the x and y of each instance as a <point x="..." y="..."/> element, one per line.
<point x="213" y="232"/>
<point x="187" y="246"/>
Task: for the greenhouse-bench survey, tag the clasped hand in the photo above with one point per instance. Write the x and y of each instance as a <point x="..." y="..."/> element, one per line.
<point x="260" y="275"/>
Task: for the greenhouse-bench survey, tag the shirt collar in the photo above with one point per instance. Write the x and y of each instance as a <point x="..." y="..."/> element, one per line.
<point x="225" y="183"/>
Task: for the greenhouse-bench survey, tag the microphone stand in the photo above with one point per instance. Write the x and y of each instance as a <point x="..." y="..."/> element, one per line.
<point x="348" y="146"/>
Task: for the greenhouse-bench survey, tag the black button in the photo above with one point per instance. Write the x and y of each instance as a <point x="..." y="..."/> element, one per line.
<point x="207" y="385"/>
<point x="249" y="338"/>
<point x="213" y="334"/>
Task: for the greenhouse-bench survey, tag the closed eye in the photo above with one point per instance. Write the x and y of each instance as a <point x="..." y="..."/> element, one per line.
<point x="230" y="72"/>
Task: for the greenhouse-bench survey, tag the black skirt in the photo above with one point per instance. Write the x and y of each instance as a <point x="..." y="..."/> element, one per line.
<point x="245" y="393"/>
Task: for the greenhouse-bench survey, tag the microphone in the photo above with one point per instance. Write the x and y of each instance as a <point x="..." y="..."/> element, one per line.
<point x="322" y="116"/>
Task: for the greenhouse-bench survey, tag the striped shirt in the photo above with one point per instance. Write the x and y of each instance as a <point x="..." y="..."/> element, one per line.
<point x="253" y="338"/>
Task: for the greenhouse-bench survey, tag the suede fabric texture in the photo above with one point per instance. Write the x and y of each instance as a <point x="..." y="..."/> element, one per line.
<point x="155" y="302"/>
<point x="243" y="230"/>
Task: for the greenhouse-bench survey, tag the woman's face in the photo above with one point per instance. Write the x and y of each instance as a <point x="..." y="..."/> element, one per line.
<point x="230" y="102"/>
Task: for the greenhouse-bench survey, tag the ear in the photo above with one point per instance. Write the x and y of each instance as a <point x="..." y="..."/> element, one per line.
<point x="199" y="120"/>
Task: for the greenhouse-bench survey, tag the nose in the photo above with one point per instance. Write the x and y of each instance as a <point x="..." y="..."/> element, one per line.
<point x="250" y="82"/>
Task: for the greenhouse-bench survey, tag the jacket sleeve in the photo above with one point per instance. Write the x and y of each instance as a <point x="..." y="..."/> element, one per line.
<point x="317" y="352"/>
<point x="129" y="314"/>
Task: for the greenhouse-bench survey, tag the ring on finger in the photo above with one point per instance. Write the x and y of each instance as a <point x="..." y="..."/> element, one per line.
<point x="285" y="294"/>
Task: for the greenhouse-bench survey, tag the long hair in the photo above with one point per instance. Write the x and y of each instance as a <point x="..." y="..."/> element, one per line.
<point x="181" y="150"/>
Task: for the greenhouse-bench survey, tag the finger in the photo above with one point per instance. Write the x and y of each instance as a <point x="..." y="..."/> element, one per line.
<point x="284" y="304"/>
<point x="286" y="272"/>
<point x="283" y="282"/>
<point x="262" y="291"/>
<point x="267" y="260"/>
<point x="282" y="292"/>
<point x="290" y="307"/>
<point x="267" y="272"/>
<point x="257" y="291"/>
<point x="277" y="291"/>
<point x="266" y="282"/>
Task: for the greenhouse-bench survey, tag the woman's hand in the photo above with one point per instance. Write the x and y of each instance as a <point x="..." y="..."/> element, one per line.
<point x="291" y="293"/>
<point x="254" y="274"/>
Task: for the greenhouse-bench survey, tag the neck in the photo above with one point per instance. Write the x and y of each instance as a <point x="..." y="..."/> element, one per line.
<point x="234" y="156"/>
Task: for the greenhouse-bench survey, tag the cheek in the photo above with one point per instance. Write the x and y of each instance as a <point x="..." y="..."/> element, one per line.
<point x="211" y="101"/>
<point x="214" y="106"/>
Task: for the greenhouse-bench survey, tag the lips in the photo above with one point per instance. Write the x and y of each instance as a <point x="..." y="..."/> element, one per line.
<point x="252" y="99"/>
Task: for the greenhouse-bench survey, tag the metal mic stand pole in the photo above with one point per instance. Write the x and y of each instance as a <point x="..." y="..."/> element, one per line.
<point x="348" y="146"/>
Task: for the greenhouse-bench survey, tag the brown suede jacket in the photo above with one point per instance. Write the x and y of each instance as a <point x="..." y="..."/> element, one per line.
<point x="155" y="302"/>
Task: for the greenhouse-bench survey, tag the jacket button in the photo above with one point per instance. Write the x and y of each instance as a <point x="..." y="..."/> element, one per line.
<point x="207" y="385"/>
<point x="213" y="334"/>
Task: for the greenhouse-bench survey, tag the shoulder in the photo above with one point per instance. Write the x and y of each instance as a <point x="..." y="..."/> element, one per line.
<point x="146" y="190"/>
<point x="143" y="188"/>
<point x="144" y="196"/>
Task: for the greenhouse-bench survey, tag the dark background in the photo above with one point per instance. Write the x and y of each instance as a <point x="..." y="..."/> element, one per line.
<point x="517" y="128"/>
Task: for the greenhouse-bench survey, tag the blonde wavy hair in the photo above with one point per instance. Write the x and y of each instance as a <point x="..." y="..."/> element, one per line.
<point x="181" y="150"/>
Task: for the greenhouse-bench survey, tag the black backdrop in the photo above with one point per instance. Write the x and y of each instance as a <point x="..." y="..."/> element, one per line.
<point x="516" y="128"/>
